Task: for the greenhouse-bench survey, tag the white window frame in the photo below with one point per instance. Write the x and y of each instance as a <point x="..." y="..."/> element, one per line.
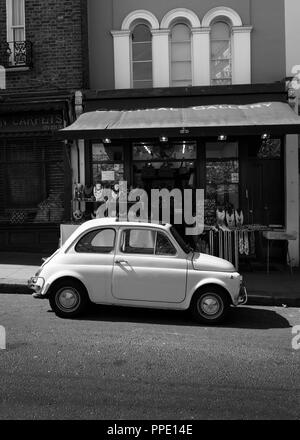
<point x="122" y="47"/>
<point x="240" y="42"/>
<point x="131" y="51"/>
<point x="222" y="20"/>
<point x="200" y="46"/>
<point x="170" y="50"/>
<point x="188" y="17"/>
<point x="9" y="26"/>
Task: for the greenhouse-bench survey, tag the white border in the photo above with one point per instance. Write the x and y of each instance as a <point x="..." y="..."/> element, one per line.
<point x="180" y="13"/>
<point x="222" y="11"/>
<point x="140" y="14"/>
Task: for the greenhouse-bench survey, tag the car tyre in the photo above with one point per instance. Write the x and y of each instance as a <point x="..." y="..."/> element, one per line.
<point x="210" y="305"/>
<point x="68" y="299"/>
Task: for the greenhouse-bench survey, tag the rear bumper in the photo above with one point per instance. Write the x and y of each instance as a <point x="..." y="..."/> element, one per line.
<point x="37" y="284"/>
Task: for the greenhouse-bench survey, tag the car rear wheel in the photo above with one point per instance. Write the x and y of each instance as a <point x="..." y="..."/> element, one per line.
<point x="68" y="299"/>
<point x="210" y="306"/>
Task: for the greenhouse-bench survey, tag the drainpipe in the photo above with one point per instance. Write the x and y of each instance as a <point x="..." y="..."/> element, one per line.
<point x="78" y="112"/>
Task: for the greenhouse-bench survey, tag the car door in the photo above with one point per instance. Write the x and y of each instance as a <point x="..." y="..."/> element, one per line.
<point x="148" y="267"/>
<point x="92" y="257"/>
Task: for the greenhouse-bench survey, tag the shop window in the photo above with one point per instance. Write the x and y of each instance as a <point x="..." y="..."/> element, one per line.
<point x="270" y="149"/>
<point x="141" y="57"/>
<point x="220" y="64"/>
<point x="222" y="174"/>
<point x="107" y="163"/>
<point x="170" y="165"/>
<point x="178" y="151"/>
<point x="31" y="181"/>
<point x="24" y="171"/>
<point x="181" y="58"/>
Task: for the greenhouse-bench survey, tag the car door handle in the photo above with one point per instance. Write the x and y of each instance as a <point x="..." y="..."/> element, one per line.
<point x="121" y="262"/>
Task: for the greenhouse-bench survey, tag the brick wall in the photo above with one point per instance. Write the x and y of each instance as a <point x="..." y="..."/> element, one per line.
<point x="58" y="31"/>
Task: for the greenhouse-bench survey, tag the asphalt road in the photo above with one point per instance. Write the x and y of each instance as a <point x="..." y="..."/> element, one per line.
<point x="144" y="364"/>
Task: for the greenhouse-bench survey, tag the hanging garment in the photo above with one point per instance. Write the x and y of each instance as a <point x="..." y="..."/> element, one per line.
<point x="115" y="194"/>
<point x="78" y="215"/>
<point x="220" y="217"/>
<point x="230" y="219"/>
<point x="88" y="191"/>
<point x="98" y="193"/>
<point x="246" y="243"/>
<point x="239" y="218"/>
<point x="191" y="180"/>
<point x="241" y="242"/>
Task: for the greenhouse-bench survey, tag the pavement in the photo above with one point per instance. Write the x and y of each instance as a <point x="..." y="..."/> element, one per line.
<point x="278" y="288"/>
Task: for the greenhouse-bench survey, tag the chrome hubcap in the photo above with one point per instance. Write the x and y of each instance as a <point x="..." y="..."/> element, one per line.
<point x="68" y="298"/>
<point x="210" y="305"/>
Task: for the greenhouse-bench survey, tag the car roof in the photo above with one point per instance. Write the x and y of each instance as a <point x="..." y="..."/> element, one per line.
<point x="108" y="221"/>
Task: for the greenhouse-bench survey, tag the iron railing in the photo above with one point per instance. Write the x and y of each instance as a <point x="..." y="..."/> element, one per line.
<point x="16" y="54"/>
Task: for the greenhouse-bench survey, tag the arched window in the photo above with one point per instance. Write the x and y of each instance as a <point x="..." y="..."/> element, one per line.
<point x="141" y="57"/>
<point x="181" y="59"/>
<point x="221" y="58"/>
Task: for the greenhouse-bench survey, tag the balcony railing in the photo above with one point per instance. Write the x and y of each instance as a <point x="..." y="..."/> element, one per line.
<point x="16" y="54"/>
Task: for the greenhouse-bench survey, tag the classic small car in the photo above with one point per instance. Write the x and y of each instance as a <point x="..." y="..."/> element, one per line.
<point x="106" y="261"/>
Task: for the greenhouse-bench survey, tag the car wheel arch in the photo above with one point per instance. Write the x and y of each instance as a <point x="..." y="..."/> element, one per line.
<point x="205" y="287"/>
<point x="66" y="278"/>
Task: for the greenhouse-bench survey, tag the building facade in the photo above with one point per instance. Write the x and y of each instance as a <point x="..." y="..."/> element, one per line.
<point x="165" y="95"/>
<point x="150" y="62"/>
<point x="43" y="58"/>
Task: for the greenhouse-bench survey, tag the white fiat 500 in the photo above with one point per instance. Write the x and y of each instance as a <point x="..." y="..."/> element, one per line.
<point x="135" y="264"/>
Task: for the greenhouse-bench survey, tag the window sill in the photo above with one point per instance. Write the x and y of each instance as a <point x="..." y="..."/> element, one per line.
<point x="18" y="69"/>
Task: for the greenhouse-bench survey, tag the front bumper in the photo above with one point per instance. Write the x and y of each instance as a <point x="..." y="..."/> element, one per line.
<point x="37" y="284"/>
<point x="243" y="296"/>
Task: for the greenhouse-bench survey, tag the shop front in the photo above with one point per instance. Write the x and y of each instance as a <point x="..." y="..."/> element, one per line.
<point x="236" y="153"/>
<point x="33" y="183"/>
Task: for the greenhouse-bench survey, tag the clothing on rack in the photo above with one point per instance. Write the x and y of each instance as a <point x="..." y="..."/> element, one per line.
<point x="230" y="219"/>
<point x="239" y="218"/>
<point x="221" y="217"/>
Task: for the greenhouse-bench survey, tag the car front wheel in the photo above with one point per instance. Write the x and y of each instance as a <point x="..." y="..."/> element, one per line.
<point x="210" y="306"/>
<point x="68" y="299"/>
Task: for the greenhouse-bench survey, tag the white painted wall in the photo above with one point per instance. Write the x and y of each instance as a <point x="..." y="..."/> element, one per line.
<point x="292" y="195"/>
<point x="292" y="32"/>
<point x="292" y="42"/>
<point x="122" y="59"/>
<point x="160" y="57"/>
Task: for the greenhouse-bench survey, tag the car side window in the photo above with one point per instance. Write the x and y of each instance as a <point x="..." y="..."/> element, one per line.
<point x="164" y="246"/>
<point x="138" y="241"/>
<point x="97" y="242"/>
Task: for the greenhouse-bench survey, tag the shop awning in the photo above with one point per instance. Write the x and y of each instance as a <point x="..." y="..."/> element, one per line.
<point x="272" y="117"/>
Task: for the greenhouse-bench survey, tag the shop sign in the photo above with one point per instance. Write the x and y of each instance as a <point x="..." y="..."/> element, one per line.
<point x="108" y="176"/>
<point x="31" y="122"/>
